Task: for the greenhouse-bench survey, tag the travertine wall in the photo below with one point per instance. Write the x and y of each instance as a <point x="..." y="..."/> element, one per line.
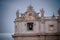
<point x="43" y="37"/>
<point x="59" y="25"/>
<point x="51" y="38"/>
<point x="27" y="38"/>
<point x="21" y="27"/>
<point x="55" y="29"/>
<point x="38" y="27"/>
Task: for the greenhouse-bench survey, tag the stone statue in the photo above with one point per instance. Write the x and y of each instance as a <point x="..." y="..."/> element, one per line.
<point x="59" y="11"/>
<point x="42" y="12"/>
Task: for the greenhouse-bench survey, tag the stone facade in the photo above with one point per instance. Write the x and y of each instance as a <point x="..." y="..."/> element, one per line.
<point x="30" y="26"/>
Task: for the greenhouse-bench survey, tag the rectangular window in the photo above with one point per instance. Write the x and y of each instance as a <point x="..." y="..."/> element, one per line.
<point x="30" y="26"/>
<point x="51" y="27"/>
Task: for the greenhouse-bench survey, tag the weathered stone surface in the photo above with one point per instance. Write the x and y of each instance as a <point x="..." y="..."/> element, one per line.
<point x="41" y="26"/>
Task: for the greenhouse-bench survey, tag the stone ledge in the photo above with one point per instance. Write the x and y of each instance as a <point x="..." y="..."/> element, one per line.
<point x="25" y="35"/>
<point x="35" y="35"/>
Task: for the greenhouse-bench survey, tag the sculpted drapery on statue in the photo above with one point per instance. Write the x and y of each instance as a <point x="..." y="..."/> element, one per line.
<point x="42" y="12"/>
<point x="42" y="15"/>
